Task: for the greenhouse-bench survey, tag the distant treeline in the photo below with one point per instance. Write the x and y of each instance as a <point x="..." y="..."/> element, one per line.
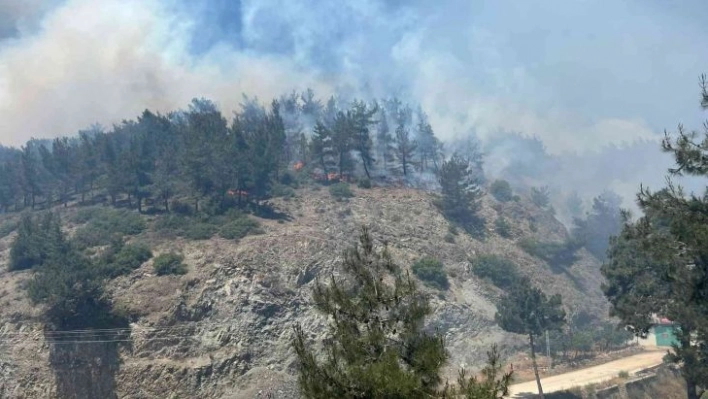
<point x="200" y="152"/>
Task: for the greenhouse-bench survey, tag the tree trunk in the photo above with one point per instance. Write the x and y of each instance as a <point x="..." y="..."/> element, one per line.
<point x="341" y="165"/>
<point x="691" y="390"/>
<point x="535" y="368"/>
<point x="366" y="169"/>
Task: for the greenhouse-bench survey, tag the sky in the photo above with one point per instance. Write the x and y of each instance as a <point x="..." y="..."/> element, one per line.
<point x="581" y="75"/>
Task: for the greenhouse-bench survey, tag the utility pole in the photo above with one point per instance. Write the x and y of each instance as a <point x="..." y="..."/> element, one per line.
<point x="548" y="350"/>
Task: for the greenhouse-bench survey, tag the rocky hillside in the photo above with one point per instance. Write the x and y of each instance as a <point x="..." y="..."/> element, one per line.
<point x="223" y="330"/>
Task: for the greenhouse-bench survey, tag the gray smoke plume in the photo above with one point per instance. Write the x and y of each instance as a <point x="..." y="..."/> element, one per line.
<point x="595" y="81"/>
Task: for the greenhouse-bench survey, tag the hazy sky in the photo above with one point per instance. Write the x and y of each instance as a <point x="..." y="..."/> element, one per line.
<point x="579" y="74"/>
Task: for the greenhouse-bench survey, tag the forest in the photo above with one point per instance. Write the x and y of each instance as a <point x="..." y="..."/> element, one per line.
<point x="199" y="152"/>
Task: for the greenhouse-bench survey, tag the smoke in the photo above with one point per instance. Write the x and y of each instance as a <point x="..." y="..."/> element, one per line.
<point x="106" y="60"/>
<point x="584" y="77"/>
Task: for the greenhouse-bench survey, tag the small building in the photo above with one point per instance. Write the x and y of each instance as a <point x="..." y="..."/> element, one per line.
<point x="664" y="332"/>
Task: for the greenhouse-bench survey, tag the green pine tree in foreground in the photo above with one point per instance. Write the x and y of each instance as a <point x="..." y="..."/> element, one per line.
<point x="377" y="347"/>
<point x="658" y="264"/>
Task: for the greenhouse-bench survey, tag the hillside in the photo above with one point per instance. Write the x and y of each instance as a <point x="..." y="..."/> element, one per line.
<point x="223" y="329"/>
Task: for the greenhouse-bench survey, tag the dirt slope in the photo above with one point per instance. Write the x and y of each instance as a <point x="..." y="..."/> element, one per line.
<point x="224" y="329"/>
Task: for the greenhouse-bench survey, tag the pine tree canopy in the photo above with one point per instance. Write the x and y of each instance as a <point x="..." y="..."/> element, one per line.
<point x="377" y="349"/>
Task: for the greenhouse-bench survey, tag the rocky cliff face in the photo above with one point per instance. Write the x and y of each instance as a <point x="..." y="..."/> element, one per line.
<point x="224" y="329"/>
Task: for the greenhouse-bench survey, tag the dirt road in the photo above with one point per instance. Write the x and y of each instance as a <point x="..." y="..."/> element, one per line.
<point x="591" y="375"/>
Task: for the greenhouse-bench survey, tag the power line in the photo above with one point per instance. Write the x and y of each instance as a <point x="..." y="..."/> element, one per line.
<point x="109" y="335"/>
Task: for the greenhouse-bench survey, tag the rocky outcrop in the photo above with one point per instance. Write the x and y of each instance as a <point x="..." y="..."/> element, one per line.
<point x="224" y="329"/>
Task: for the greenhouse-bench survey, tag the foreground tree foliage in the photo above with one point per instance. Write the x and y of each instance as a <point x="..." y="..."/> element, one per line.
<point x="493" y="384"/>
<point x="525" y="309"/>
<point x="377" y="347"/>
<point x="658" y="265"/>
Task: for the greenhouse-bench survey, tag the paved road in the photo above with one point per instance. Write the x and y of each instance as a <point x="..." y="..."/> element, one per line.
<point x="590" y="375"/>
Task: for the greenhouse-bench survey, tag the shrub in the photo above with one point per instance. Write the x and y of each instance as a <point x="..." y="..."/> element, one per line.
<point x="123" y="260"/>
<point x="182" y="208"/>
<point x="83" y="215"/>
<point x="289" y="179"/>
<point x="37" y="240"/>
<point x="239" y="228"/>
<point x="501" y="190"/>
<point x="199" y="231"/>
<point x="533" y="226"/>
<point x="281" y="190"/>
<point x="431" y="272"/>
<point x="557" y="254"/>
<point x="169" y="263"/>
<point x="173" y="225"/>
<point x="450" y="238"/>
<point x="623" y="375"/>
<point x="8" y="227"/>
<point x="340" y="191"/>
<point x="503" y="272"/>
<point x="364" y="183"/>
<point x="452" y="229"/>
<point x="105" y="224"/>
<point x="502" y="227"/>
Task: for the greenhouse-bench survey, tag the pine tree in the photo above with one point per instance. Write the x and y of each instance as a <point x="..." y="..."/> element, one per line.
<point x="111" y="154"/>
<point x="342" y="142"/>
<point x="37" y="240"/>
<point x="470" y="149"/>
<point x="205" y="125"/>
<point x="361" y="117"/>
<point x="8" y="186"/>
<point x="49" y="181"/>
<point x="428" y="145"/>
<point x="525" y="309"/>
<point x="658" y="264"/>
<point x="384" y="142"/>
<point x="601" y="223"/>
<point x="377" y="349"/>
<point x="494" y="383"/>
<point x="264" y="135"/>
<point x="461" y="194"/>
<point x="322" y="148"/>
<point x="88" y="161"/>
<point x="404" y="149"/>
<point x="138" y="165"/>
<point x="311" y="107"/>
<point x="30" y="174"/>
<point x="574" y="204"/>
<point x="63" y="153"/>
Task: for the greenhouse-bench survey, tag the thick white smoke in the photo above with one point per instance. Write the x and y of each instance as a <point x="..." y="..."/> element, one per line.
<point x="561" y="72"/>
<point x="106" y="60"/>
